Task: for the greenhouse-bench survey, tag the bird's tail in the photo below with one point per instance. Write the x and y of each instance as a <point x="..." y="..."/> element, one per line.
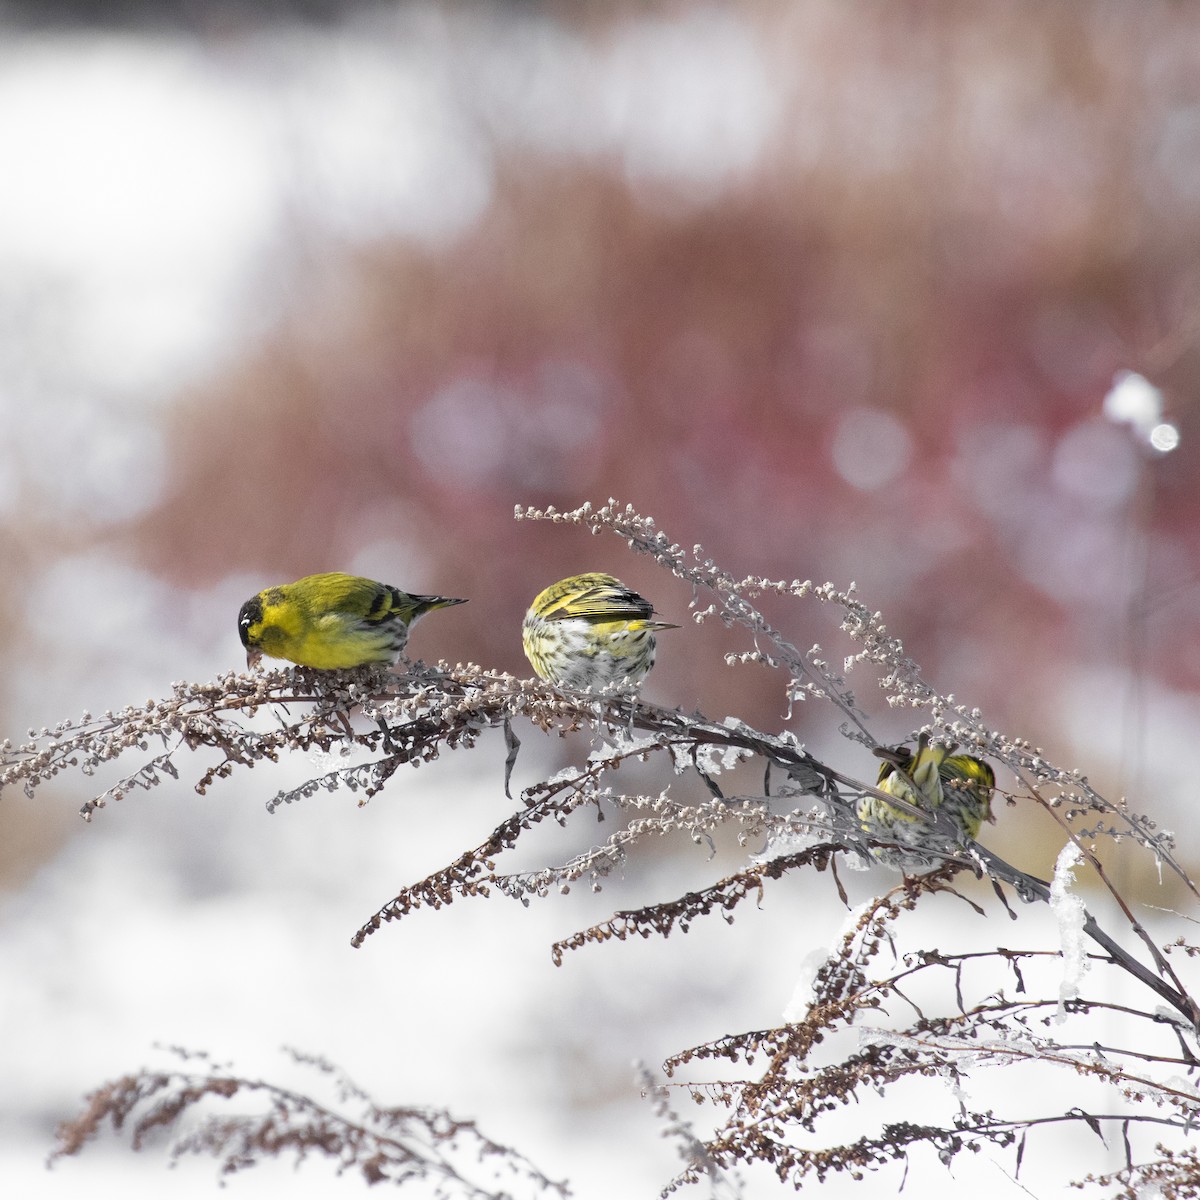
<point x="423" y="604"/>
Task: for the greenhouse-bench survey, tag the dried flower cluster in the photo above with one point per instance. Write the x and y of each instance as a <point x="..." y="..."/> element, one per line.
<point x="383" y="1145"/>
<point x="997" y="1006"/>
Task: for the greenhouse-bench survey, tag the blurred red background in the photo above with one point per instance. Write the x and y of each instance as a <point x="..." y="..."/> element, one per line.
<point x="860" y="326"/>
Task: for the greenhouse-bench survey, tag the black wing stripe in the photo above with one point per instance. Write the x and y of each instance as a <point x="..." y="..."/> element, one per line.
<point x="385" y="600"/>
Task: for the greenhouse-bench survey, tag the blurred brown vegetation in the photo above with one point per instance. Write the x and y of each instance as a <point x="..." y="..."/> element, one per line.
<point x="966" y="217"/>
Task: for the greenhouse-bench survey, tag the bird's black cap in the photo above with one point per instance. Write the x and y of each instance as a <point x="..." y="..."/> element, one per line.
<point x="251" y="614"/>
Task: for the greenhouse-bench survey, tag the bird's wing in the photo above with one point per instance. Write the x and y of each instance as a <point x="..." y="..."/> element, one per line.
<point x="354" y="596"/>
<point x="602" y="598"/>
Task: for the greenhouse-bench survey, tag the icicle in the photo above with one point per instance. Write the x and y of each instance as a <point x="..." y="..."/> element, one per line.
<point x="1070" y="914"/>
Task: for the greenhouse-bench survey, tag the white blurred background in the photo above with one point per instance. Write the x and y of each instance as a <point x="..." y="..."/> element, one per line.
<point x="838" y="290"/>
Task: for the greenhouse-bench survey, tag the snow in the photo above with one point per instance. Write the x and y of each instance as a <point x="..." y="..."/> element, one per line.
<point x="1070" y="913"/>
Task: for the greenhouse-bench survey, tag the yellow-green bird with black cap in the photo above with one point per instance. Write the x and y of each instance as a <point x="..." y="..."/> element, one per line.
<point x="589" y="630"/>
<point x="332" y="621"/>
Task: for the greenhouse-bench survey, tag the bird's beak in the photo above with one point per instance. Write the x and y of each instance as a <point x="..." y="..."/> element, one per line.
<point x="253" y="658"/>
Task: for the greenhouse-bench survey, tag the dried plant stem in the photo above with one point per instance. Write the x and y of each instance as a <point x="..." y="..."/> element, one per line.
<point x="804" y="820"/>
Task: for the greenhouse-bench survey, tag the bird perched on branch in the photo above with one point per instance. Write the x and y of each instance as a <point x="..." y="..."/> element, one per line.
<point x="590" y="630"/>
<point x="332" y="621"/>
<point x="955" y="787"/>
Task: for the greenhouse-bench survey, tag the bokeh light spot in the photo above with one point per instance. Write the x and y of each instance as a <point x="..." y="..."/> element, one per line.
<point x="871" y="448"/>
<point x="1164" y="438"/>
<point x="460" y="432"/>
<point x="1133" y="399"/>
<point x="1094" y="462"/>
<point x="539" y="428"/>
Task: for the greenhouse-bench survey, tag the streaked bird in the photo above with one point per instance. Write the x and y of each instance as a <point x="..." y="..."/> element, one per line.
<point x="956" y="787"/>
<point x="590" y="630"/>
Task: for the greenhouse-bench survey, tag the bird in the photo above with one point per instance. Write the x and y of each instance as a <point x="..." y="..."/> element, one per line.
<point x="937" y="781"/>
<point x="590" y="630"/>
<point x="332" y="621"/>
